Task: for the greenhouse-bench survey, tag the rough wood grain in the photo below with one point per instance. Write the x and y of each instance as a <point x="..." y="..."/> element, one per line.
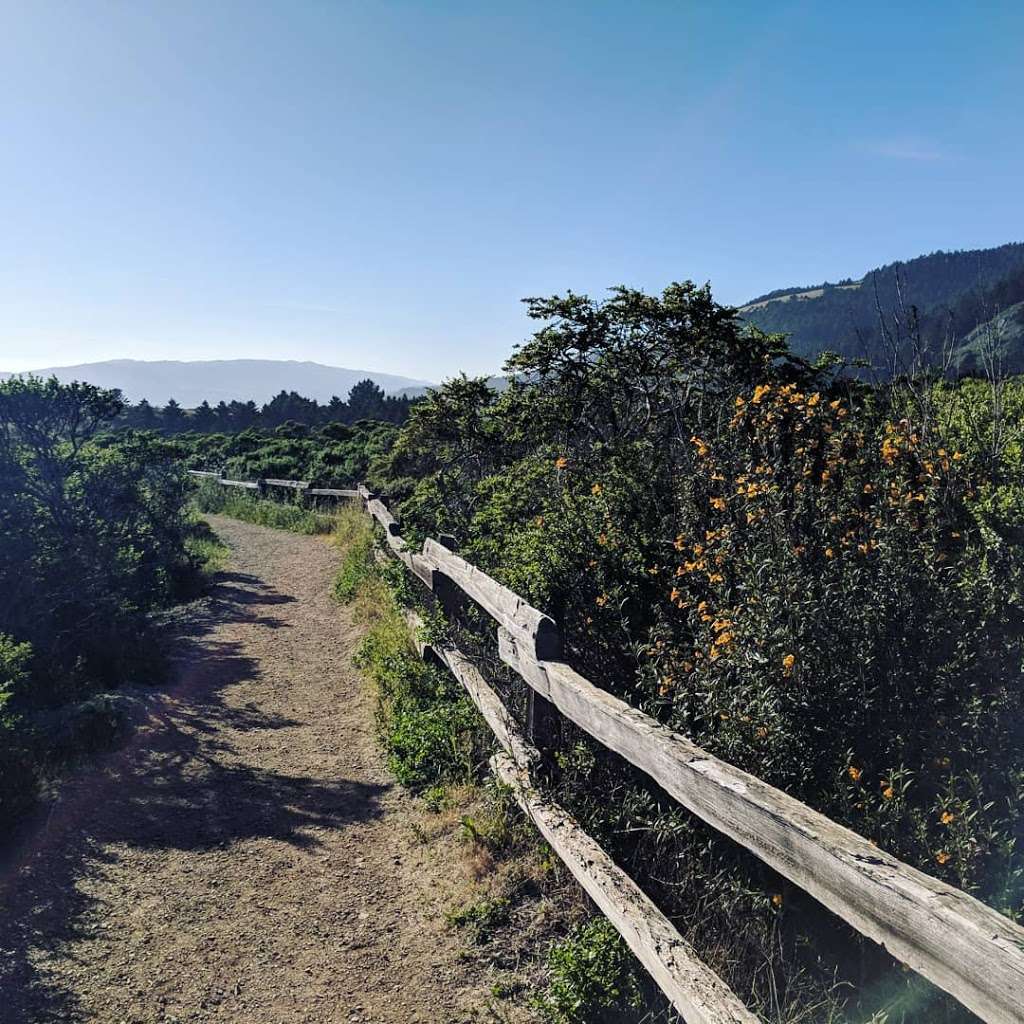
<point x="961" y="945"/>
<point x="334" y="492"/>
<point x="381" y="513"/>
<point x="692" y="987"/>
<point x="295" y="485"/>
<point x="531" y="627"/>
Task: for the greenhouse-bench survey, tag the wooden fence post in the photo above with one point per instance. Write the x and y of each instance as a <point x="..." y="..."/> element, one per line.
<point x="543" y="727"/>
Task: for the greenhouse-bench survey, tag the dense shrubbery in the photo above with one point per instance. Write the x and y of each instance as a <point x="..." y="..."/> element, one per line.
<point x="333" y="455"/>
<point x="817" y="580"/>
<point x="366" y="401"/>
<point x="94" y="536"/>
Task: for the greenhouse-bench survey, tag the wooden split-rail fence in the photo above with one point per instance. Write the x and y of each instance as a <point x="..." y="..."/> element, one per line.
<point x="958" y="943"/>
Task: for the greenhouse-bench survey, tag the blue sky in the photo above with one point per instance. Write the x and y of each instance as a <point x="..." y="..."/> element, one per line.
<point x="376" y="185"/>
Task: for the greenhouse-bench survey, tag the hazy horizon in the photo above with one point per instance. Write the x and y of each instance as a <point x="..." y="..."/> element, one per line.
<point x="379" y="186"/>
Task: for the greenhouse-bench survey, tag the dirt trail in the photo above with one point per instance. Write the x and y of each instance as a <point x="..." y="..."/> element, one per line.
<point x="246" y="857"/>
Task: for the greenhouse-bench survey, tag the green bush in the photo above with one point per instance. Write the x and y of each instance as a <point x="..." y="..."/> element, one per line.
<point x="818" y="580"/>
<point x="94" y="535"/>
<point x="330" y="456"/>
<point x="593" y="978"/>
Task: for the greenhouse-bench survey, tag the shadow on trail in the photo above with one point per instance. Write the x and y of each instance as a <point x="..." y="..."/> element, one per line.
<point x="176" y="785"/>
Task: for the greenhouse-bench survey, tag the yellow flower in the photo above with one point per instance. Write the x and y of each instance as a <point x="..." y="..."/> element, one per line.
<point x="602" y="539"/>
<point x="601" y="600"/>
<point x="723" y="638"/>
<point x="854" y="773"/>
<point x="675" y="595"/>
<point x="759" y="392"/>
<point x="829" y="553"/>
<point x="787" y="664"/>
<point x="942" y="856"/>
<point x="719" y="624"/>
<point x="718" y="503"/>
<point x="888" y="792"/>
<point x="740" y="402"/>
<point x="715" y="577"/>
<point x="777" y="900"/>
<point x="814" y="399"/>
<point x="561" y="462"/>
<point x="702" y="448"/>
<point x="957" y="456"/>
<point x="946" y="817"/>
<point x="596" y="489"/>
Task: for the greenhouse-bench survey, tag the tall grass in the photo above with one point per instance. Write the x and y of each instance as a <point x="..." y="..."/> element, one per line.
<point x="210" y="497"/>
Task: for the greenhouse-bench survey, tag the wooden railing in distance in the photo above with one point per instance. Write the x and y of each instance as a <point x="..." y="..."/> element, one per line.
<point x="298" y="486"/>
<point x="949" y="937"/>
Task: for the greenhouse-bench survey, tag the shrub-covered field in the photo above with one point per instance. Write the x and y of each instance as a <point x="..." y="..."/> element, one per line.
<point x="333" y="455"/>
<point x="816" y="579"/>
<point x="95" y="538"/>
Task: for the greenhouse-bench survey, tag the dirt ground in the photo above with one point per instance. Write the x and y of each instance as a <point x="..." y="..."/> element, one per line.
<point x="246" y="856"/>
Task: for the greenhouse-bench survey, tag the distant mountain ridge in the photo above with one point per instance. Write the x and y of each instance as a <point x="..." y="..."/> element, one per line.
<point x="190" y="383"/>
<point x="955" y="293"/>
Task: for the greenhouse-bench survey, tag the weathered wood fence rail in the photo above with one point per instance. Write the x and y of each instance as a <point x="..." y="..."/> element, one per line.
<point x="960" y="944"/>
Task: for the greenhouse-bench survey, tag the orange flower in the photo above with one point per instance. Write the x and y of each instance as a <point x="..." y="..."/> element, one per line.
<point x="946" y="817"/>
<point x="777" y="900"/>
<point x="561" y="462"/>
<point x="601" y="600"/>
<point x="759" y="392"/>
<point x="702" y="448"/>
<point x="942" y="856"/>
<point x="888" y="793"/>
<point x="787" y="664"/>
<point x="854" y="773"/>
<point x="602" y="539"/>
<point x="718" y="504"/>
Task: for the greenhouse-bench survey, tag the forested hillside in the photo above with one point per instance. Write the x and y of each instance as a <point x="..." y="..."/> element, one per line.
<point x="920" y="310"/>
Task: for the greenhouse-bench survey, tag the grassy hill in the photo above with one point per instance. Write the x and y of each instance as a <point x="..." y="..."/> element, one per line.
<point x="951" y="294"/>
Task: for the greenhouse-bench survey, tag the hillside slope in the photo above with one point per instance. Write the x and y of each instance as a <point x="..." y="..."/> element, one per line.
<point x="189" y="383"/>
<point x="954" y="293"/>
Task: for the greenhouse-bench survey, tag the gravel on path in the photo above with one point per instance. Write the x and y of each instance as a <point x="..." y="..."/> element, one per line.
<point x="246" y="857"/>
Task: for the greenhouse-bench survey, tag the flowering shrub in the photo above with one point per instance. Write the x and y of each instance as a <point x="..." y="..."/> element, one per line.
<point x="817" y="580"/>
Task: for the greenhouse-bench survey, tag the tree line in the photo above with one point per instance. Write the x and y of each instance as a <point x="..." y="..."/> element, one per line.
<point x="366" y="401"/>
